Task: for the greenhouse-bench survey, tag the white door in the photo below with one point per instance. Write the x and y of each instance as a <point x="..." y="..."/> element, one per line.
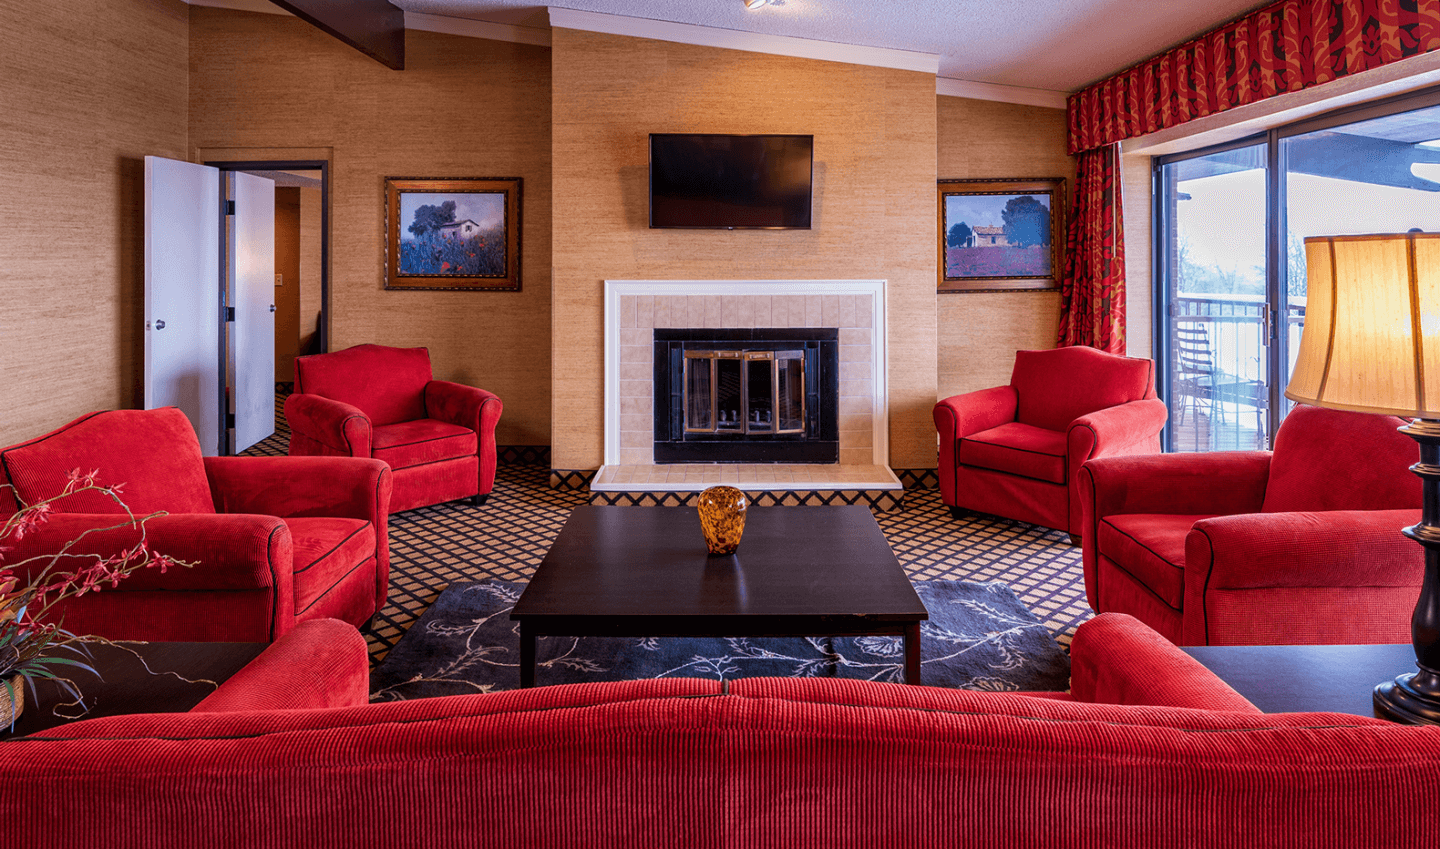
<point x="251" y="237"/>
<point x="183" y="294"/>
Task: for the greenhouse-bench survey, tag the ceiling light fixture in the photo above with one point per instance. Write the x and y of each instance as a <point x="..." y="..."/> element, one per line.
<point x="755" y="4"/>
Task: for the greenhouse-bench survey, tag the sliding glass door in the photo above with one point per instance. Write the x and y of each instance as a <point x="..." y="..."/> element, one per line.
<point x="1231" y="227"/>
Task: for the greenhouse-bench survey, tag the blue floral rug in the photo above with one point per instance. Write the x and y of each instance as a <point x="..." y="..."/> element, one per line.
<point x="978" y="637"/>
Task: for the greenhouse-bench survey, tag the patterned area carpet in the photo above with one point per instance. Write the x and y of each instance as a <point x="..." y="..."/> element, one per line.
<point x="433" y="547"/>
<point x="979" y="637"/>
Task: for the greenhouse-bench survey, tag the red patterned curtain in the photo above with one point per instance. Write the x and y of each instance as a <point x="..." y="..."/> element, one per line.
<point x="1284" y="47"/>
<point x="1092" y="293"/>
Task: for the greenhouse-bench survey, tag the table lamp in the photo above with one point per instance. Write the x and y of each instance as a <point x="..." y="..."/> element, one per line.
<point x="1372" y="344"/>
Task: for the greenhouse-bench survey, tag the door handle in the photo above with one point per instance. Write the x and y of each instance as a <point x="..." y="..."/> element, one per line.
<point x="272" y="307"/>
<point x="159" y="324"/>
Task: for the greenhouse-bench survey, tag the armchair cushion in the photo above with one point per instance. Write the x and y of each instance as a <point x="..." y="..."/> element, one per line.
<point x="387" y="384"/>
<point x="1051" y="396"/>
<point x="1339" y="460"/>
<point x="415" y="443"/>
<point x="1019" y="449"/>
<point x="1151" y="548"/>
<point x="326" y="550"/>
<point x="121" y="443"/>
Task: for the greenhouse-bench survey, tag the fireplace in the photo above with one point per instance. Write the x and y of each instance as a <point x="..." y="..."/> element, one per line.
<point x="746" y="395"/>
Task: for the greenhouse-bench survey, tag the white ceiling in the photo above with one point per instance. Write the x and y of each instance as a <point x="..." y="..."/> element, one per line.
<point x="1054" y="45"/>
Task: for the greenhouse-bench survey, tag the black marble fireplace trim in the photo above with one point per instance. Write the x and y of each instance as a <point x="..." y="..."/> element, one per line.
<point x="820" y="443"/>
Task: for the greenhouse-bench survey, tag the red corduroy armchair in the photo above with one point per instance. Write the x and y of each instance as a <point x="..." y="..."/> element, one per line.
<point x="1296" y="546"/>
<point x="1013" y="451"/>
<point x="376" y="401"/>
<point x="275" y="540"/>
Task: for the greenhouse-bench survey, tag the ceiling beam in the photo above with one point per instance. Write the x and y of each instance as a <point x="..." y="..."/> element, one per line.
<point x="374" y="27"/>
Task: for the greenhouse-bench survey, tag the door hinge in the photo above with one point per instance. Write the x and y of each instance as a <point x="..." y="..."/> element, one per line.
<point x="229" y="313"/>
<point x="229" y="207"/>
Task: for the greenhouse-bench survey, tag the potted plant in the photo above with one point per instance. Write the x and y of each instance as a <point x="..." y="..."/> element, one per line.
<point x="32" y="646"/>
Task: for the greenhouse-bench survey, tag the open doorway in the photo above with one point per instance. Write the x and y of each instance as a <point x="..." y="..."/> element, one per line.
<point x="302" y="264"/>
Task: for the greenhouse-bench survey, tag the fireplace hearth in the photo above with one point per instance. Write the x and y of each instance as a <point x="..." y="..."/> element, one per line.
<point x="746" y="395"/>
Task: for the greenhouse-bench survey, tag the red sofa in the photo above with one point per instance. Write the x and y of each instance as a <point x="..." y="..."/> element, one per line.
<point x="1301" y="545"/>
<point x="1149" y="749"/>
<point x="1013" y="450"/>
<point x="275" y="540"/>
<point x="377" y="401"/>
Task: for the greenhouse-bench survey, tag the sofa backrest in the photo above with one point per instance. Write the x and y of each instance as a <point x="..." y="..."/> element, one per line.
<point x="1058" y="386"/>
<point x="387" y="384"/>
<point x="153" y="453"/>
<point x="681" y="763"/>
<point x="1339" y="460"/>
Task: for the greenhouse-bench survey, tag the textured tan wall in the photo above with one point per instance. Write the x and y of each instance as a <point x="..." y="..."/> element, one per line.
<point x="979" y="333"/>
<point x="874" y="194"/>
<point x="89" y="89"/>
<point x="462" y="108"/>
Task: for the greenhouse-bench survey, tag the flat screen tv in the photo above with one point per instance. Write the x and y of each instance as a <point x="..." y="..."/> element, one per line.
<point x="730" y="182"/>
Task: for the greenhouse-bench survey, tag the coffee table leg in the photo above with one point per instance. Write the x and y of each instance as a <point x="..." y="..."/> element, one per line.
<point x="527" y="656"/>
<point x="912" y="653"/>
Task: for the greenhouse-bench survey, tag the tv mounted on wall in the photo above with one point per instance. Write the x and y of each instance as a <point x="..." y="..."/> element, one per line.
<point x="730" y="182"/>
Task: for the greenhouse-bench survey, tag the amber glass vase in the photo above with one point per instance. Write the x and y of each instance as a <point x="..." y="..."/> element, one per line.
<point x="722" y="518"/>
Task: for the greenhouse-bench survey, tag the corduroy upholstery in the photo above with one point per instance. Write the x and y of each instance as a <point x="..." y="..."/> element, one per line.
<point x="1013" y="450"/>
<point x="275" y="540"/>
<point x="768" y="762"/>
<point x="376" y="401"/>
<point x="1301" y="545"/>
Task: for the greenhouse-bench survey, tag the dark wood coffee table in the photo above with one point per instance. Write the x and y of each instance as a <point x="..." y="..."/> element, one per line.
<point x="135" y="678"/>
<point x="1303" y="679"/>
<point x="644" y="572"/>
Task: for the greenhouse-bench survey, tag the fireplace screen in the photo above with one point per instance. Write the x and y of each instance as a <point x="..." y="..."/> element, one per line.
<point x="744" y="392"/>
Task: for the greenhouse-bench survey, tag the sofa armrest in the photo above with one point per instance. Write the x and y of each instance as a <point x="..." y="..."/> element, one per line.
<point x="338" y="426"/>
<point x="228" y="552"/>
<point x="348" y="487"/>
<point x="1339" y="548"/>
<point x="322" y="663"/>
<point x="1116" y="659"/>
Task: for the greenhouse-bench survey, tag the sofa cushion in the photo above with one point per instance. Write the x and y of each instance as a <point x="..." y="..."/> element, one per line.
<point x="1151" y="547"/>
<point x="422" y="441"/>
<point x="153" y="453"/>
<point x="387" y="384"/>
<point x="1340" y="460"/>
<point x="1018" y="449"/>
<point x="326" y="550"/>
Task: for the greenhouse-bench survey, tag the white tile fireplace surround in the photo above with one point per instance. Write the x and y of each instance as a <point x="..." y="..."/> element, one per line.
<point x="635" y="308"/>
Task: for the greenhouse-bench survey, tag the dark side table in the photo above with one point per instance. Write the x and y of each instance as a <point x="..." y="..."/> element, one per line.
<point x="134" y="678"/>
<point x="1301" y="679"/>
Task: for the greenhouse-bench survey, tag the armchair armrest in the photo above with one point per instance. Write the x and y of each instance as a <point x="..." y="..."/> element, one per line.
<point x="961" y="415"/>
<point x="466" y="406"/>
<point x="230" y="552"/>
<point x="1218" y="482"/>
<point x="1116" y="659"/>
<point x="1129" y="428"/>
<point x="336" y="425"/>
<point x="349" y="487"/>
<point x="322" y="663"/>
<point x="1340" y="548"/>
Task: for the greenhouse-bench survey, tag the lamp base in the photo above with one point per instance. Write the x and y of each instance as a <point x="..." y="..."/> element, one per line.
<point x="1413" y="699"/>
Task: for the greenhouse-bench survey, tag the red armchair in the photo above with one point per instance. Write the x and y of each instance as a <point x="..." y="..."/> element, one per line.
<point x="1299" y="545"/>
<point x="373" y="401"/>
<point x="275" y="540"/>
<point x="1013" y="451"/>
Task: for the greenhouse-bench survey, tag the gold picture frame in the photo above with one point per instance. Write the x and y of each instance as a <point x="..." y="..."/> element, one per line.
<point x="1000" y="235"/>
<point x="458" y="233"/>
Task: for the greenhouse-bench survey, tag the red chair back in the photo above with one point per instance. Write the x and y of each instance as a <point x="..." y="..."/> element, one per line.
<point x="387" y="384"/>
<point x="1058" y="386"/>
<point x="153" y="453"/>
<point x="1339" y="460"/>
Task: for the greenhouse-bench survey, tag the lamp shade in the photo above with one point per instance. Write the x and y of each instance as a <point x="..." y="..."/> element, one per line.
<point x="1372" y="325"/>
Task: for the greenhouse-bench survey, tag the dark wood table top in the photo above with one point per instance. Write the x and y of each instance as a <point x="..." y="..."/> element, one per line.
<point x="1295" y="679"/>
<point x="808" y="566"/>
<point x="135" y="678"/>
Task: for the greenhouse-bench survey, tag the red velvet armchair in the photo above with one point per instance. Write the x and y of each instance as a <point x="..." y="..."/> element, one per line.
<point x="374" y="401"/>
<point x="1296" y="546"/>
<point x="1013" y="451"/>
<point x="274" y="540"/>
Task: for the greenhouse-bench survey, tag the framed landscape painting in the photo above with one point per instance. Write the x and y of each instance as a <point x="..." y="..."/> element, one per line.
<point x="998" y="235"/>
<point x="458" y="233"/>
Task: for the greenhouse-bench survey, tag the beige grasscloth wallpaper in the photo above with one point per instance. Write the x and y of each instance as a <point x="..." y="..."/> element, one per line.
<point x="875" y="148"/>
